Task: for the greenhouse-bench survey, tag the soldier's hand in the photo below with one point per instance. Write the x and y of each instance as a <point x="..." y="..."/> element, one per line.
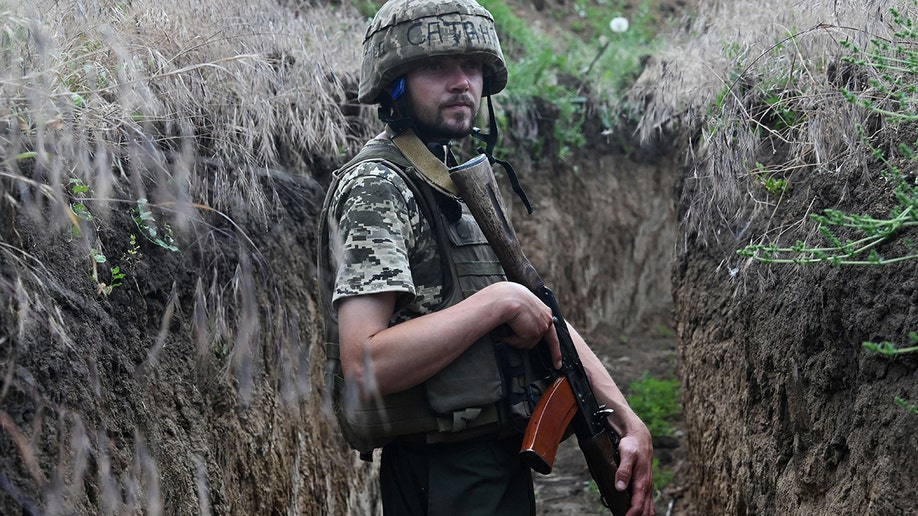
<point x="528" y="321"/>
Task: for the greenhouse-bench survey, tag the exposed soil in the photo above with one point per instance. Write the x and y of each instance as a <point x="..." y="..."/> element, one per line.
<point x="787" y="409"/>
<point x="603" y="239"/>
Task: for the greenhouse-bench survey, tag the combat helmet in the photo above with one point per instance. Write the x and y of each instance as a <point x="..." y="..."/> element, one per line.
<point x="404" y="32"/>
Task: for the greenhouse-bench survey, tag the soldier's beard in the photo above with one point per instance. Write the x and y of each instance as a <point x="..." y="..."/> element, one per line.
<point x="440" y="131"/>
<point x="443" y="126"/>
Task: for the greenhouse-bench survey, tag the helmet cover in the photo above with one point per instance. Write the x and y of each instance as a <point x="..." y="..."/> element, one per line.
<point x="405" y="32"/>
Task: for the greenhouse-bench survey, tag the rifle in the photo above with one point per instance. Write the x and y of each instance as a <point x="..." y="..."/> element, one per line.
<point x="570" y="399"/>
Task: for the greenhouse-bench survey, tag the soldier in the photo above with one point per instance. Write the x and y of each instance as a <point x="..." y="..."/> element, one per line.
<point x="432" y="353"/>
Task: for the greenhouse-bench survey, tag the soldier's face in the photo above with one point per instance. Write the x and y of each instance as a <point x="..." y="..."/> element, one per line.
<point x="444" y="94"/>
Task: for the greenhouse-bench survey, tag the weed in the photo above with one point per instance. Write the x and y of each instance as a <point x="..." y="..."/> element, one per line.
<point x="911" y="408"/>
<point x="102" y="288"/>
<point x="864" y="232"/>
<point x="78" y="190"/>
<point x="132" y="255"/>
<point x="896" y="65"/>
<point x="890" y="349"/>
<point x="539" y="69"/>
<point x="775" y="186"/>
<point x="146" y="223"/>
<point x="80" y="212"/>
<point x="143" y="219"/>
<point x="365" y="8"/>
<point x="662" y="477"/>
<point x="663" y="330"/>
<point x="656" y="401"/>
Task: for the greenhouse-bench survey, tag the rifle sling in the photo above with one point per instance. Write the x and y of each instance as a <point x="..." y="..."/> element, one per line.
<point x="431" y="169"/>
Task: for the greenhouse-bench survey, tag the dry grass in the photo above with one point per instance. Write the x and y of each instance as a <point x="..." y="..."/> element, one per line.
<point x="185" y="104"/>
<point x="737" y="68"/>
<point x="190" y="105"/>
<point x="191" y="97"/>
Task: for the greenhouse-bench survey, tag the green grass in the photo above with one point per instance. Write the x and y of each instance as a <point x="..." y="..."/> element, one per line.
<point x="656" y="401"/>
<point x="587" y="52"/>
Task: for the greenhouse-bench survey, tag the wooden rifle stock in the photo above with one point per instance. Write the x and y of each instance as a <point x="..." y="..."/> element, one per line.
<point x="570" y="399"/>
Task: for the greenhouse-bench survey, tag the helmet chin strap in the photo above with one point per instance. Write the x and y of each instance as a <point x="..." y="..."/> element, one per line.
<point x="490" y="141"/>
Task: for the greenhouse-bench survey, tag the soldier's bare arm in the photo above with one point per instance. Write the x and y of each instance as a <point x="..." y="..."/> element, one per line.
<point x="406" y="354"/>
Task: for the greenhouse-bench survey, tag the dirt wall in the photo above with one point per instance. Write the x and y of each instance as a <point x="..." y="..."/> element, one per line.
<point x="786" y="412"/>
<point x="603" y="230"/>
<point x="194" y="387"/>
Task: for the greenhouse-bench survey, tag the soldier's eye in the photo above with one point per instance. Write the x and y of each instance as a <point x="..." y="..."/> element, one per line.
<point x="473" y="65"/>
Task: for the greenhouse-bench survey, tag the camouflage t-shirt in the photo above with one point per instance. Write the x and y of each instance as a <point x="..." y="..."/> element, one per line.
<point x="381" y="242"/>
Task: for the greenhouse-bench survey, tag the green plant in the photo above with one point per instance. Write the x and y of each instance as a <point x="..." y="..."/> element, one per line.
<point x="115" y="274"/>
<point x="146" y="223"/>
<point x="365" y="8"/>
<point x="891" y="69"/>
<point x="780" y="115"/>
<point x="663" y="330"/>
<point x="656" y="401"/>
<point x="144" y="220"/>
<point x="132" y="254"/>
<point x="662" y="477"/>
<point x="890" y="349"/>
<point x="775" y="186"/>
<point x="80" y="212"/>
<point x="542" y="67"/>
<point x="78" y="190"/>
<point x="897" y="64"/>
<point x="863" y="233"/>
<point x="911" y="408"/>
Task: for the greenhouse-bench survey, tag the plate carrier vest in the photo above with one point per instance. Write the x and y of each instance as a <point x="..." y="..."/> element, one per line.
<point x="490" y="389"/>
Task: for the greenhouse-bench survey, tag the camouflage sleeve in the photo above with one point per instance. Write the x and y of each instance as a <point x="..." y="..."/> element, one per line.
<point x="372" y="232"/>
